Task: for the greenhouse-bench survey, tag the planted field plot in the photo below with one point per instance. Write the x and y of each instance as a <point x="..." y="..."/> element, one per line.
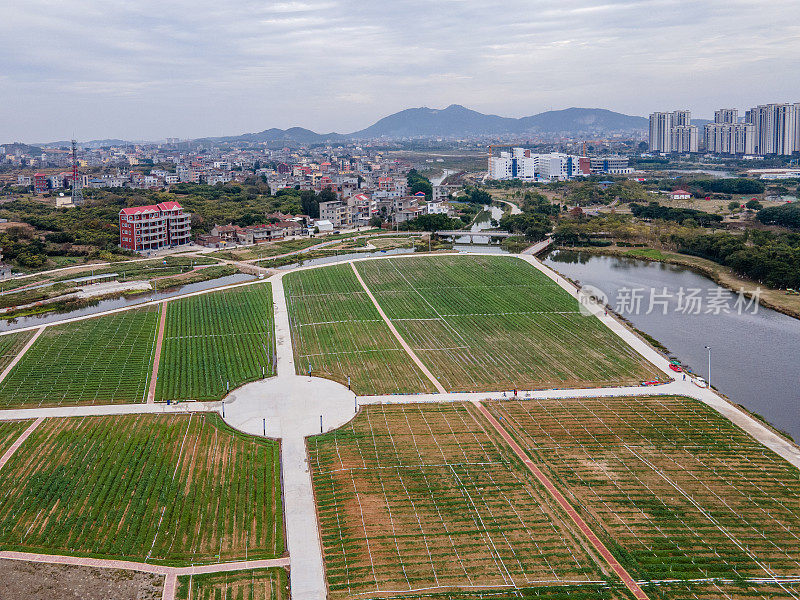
<point x="337" y="332"/>
<point x="258" y="584"/>
<point x="421" y="497"/>
<point x="216" y="342"/>
<point x="95" y="361"/>
<point x="543" y="592"/>
<point x="11" y="345"/>
<point x="675" y="490"/>
<point x="738" y="590"/>
<point x="495" y="322"/>
<point x="175" y="489"/>
<point x="10" y="431"/>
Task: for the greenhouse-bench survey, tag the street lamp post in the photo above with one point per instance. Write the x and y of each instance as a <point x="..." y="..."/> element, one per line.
<point x="709" y="365"/>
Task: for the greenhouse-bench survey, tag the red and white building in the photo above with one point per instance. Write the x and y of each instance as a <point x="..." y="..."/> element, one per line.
<point x="143" y="228"/>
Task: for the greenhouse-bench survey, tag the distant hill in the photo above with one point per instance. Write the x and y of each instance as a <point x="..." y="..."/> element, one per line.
<point x="582" y="120"/>
<point x="293" y="134"/>
<point x="452" y="122"/>
<point x="457" y="121"/>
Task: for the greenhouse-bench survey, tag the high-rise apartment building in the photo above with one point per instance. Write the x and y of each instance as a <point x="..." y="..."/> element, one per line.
<point x="777" y="128"/>
<point x="727" y="136"/>
<point x="726" y="115"/>
<point x="673" y="132"/>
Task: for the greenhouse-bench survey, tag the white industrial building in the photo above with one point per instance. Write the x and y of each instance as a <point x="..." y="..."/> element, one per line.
<point x="525" y="165"/>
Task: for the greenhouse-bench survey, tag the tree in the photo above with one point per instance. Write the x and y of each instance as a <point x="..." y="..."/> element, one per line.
<point x="418" y="183"/>
<point x="754" y="205"/>
<point x="375" y="221"/>
<point x="733" y="205"/>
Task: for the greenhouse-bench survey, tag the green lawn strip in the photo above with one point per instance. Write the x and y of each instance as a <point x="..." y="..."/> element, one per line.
<point x="175" y="490"/>
<point x="254" y="584"/>
<point x="338" y="332"/>
<point x="11" y="345"/>
<point x="495" y="322"/>
<point x="617" y="459"/>
<point x="420" y="496"/>
<point x="99" y="360"/>
<point x="216" y="342"/>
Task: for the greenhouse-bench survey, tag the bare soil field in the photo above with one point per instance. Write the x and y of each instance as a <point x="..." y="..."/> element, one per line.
<point x="37" y="581"/>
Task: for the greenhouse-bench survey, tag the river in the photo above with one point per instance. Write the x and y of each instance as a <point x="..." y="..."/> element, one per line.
<point x="754" y="356"/>
<point x="112" y="303"/>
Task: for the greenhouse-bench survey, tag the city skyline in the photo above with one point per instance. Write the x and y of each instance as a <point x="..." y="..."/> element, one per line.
<point x="151" y="71"/>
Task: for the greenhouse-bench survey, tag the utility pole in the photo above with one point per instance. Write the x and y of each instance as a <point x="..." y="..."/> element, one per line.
<point x="709" y="366"/>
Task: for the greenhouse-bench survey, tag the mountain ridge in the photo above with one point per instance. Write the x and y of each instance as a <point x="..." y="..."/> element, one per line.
<point x="454" y="121"/>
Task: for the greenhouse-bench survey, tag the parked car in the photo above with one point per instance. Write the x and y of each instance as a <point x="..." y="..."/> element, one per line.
<point x="700" y="382"/>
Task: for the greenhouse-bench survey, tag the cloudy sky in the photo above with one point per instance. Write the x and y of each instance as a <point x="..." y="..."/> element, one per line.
<point x="187" y="68"/>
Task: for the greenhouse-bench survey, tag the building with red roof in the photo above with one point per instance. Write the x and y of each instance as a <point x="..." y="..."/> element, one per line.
<point x="152" y="227"/>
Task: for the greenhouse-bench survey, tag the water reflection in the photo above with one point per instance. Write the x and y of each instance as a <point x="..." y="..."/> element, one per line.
<point x="754" y="356"/>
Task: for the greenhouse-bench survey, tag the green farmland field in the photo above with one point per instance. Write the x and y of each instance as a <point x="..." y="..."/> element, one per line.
<point x="10" y="431"/>
<point x="675" y="490"/>
<point x="483" y="323"/>
<point x="176" y="489"/>
<point x="100" y="360"/>
<point x="338" y="332"/>
<point x="216" y="340"/>
<point x="257" y="584"/>
<point x="414" y="497"/>
<point x="10" y="346"/>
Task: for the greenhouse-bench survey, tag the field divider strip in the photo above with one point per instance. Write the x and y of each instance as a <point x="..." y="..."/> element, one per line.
<point x="128" y="565"/>
<point x="598" y="545"/>
<point x="22" y="352"/>
<point x="170" y="586"/>
<point x="397" y="335"/>
<point x="15" y="446"/>
<point x="151" y="393"/>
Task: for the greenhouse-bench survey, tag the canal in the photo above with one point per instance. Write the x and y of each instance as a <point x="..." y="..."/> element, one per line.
<point x="754" y="355"/>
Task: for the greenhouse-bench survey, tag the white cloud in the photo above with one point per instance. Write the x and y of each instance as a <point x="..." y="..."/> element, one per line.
<point x="202" y="67"/>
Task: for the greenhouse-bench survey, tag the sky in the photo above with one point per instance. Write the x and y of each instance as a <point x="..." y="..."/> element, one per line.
<point x="146" y="70"/>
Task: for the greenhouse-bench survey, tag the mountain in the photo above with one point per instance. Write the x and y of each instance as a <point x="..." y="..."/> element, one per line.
<point x="457" y="121"/>
<point x="454" y="120"/>
<point x="293" y="134"/>
<point x="582" y="120"/>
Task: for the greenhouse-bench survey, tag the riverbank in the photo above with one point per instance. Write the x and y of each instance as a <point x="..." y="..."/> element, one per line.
<point x="723" y="276"/>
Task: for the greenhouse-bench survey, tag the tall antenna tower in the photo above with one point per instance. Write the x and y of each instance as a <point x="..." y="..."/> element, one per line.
<point x="77" y="194"/>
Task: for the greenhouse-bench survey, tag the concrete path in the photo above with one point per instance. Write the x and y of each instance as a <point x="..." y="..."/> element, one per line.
<point x="24" y="436"/>
<point x="151" y="393"/>
<point x="22" y="352"/>
<point x="397" y="335"/>
<point x="158" y="408"/>
<point x="634" y="588"/>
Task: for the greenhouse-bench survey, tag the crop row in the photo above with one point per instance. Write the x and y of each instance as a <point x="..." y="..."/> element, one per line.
<point x="9" y="432"/>
<point x="677" y="491"/>
<point x="99" y="360"/>
<point x="256" y="584"/>
<point x="215" y="342"/>
<point x="338" y="333"/>
<point x="10" y="346"/>
<point x="413" y="497"/>
<point x="177" y="489"/>
<point x="488" y="323"/>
